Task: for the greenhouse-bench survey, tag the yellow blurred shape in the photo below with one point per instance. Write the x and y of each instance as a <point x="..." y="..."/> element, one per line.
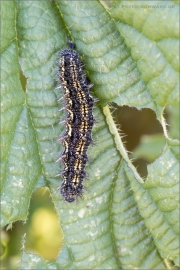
<point x="45" y="235"/>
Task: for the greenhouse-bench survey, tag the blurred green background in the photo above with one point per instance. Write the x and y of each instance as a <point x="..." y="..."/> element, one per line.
<point x="143" y="137"/>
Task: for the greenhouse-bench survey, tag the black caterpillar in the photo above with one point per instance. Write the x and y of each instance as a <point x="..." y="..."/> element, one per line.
<point x="79" y="122"/>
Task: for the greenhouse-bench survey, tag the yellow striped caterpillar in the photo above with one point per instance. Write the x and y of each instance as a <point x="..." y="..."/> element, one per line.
<point x="78" y="104"/>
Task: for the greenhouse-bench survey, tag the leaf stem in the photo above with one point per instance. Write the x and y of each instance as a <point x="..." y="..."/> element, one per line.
<point x="163" y="122"/>
<point x="168" y="263"/>
<point x="119" y="143"/>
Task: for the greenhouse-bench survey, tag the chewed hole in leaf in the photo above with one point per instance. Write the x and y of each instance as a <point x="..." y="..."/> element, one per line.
<point x="142" y="135"/>
<point x="23" y="80"/>
<point x="4" y="241"/>
<point x="43" y="233"/>
<point x="11" y="239"/>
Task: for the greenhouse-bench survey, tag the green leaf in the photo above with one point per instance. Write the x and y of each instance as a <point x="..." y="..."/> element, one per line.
<point x="155" y="49"/>
<point x="8" y="32"/>
<point x="134" y="245"/>
<point x="158" y="201"/>
<point x="23" y="168"/>
<point x="121" y="222"/>
<point x="174" y="124"/>
<point x="33" y="261"/>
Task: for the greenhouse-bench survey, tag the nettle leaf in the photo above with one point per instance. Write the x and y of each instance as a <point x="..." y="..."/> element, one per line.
<point x="174" y="121"/>
<point x="131" y="57"/>
<point x="19" y="145"/>
<point x="152" y="34"/>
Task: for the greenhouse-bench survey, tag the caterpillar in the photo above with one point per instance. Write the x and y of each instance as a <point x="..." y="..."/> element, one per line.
<point x="79" y="120"/>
